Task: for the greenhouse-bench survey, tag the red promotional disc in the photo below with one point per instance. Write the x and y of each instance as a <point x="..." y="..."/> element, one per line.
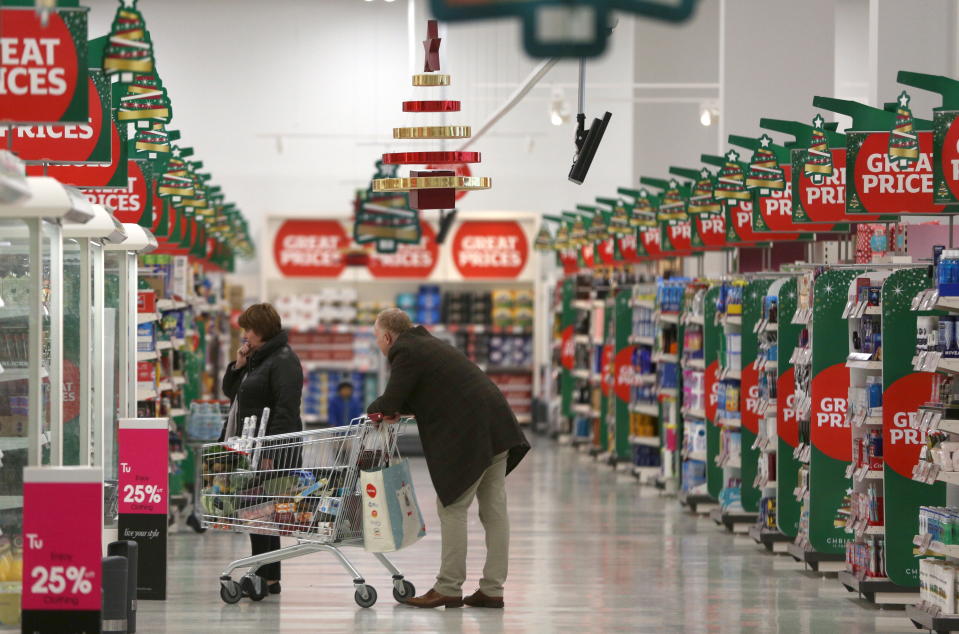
<point x="431" y="106"/>
<point x="424" y="158"/>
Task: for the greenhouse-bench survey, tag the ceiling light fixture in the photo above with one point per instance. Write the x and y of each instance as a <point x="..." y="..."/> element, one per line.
<point x="708" y="113"/>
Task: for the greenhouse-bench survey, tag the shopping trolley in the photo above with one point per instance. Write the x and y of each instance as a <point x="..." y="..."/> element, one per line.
<point x="302" y="485"/>
<point x="204" y="424"/>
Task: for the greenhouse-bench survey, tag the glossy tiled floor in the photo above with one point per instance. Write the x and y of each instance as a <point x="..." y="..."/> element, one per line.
<point x="591" y="552"/>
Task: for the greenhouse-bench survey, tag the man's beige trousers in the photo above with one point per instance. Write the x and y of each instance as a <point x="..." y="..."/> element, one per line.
<point x="490" y="490"/>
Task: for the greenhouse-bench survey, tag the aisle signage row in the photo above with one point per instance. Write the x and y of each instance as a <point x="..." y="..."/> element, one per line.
<point x="477" y="250"/>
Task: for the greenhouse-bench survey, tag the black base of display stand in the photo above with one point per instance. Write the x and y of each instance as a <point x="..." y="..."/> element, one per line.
<point x="697" y="502"/>
<point x="72" y="621"/>
<point x="923" y="619"/>
<point x="825" y="563"/>
<point x="734" y="521"/>
<point x="879" y="591"/>
<point x="773" y="540"/>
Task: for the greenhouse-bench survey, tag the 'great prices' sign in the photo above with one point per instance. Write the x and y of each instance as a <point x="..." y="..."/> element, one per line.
<point x="310" y="248"/>
<point x="43" y="75"/>
<point x="829" y="427"/>
<point x="112" y="174"/>
<point x="650" y="237"/>
<point x="409" y="260"/>
<point x="775" y="211"/>
<point x="710" y="230"/>
<point x="787" y="426"/>
<point x="130" y="204"/>
<point x="490" y="249"/>
<point x="87" y="142"/>
<point x="679" y="235"/>
<point x="625" y="373"/>
<point x="883" y="186"/>
<point x="628" y="247"/>
<point x="750" y="399"/>
<point x="902" y="438"/>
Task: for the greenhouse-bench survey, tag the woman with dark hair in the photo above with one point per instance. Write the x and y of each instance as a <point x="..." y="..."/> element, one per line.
<point x="266" y="374"/>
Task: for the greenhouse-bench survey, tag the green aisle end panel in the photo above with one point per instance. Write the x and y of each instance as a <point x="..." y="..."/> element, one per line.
<point x="904" y="391"/>
<point x="623" y="372"/>
<point x="566" y="349"/>
<point x="712" y="340"/>
<point x="828" y="427"/>
<point x="749" y="400"/>
<point x="788" y="508"/>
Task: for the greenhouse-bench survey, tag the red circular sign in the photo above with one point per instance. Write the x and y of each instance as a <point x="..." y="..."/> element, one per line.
<point x="886" y="188"/>
<point x="949" y="157"/>
<point x="628" y="247"/>
<point x="749" y="398"/>
<point x="650" y="237"/>
<point x="902" y="439"/>
<point x="680" y="233"/>
<point x="607" y="251"/>
<point x="371" y="490"/>
<point x="589" y="255"/>
<point x="787" y="426"/>
<point x="570" y="261"/>
<point x="625" y="373"/>
<point x="776" y="209"/>
<point x="829" y="428"/>
<point x="712" y="390"/>
<point x="85" y="175"/>
<point x="128" y="205"/>
<point x="490" y="249"/>
<point x="567" y="349"/>
<point x="39" y="75"/>
<point x="62" y="142"/>
<point x="71" y="390"/>
<point x="711" y="229"/>
<point x="409" y="260"/>
<point x="310" y="248"/>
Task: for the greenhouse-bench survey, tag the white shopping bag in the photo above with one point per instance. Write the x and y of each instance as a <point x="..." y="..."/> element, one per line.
<point x="391" y="515"/>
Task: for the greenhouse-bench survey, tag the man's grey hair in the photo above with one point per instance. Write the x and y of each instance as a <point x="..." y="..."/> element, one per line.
<point x="394" y="320"/>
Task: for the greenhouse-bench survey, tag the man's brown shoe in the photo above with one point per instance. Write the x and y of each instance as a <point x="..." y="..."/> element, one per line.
<point x="434" y="599"/>
<point x="480" y="600"/>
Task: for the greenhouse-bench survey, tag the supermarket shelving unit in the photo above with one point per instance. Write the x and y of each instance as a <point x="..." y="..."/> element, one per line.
<point x="704" y="499"/>
<point x="774" y="366"/>
<point x="820" y="396"/>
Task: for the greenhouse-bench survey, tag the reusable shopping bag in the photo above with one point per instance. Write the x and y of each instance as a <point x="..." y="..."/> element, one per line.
<point x="391" y="515"/>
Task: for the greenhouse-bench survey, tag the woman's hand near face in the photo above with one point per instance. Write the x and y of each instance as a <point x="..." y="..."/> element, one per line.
<point x="242" y="354"/>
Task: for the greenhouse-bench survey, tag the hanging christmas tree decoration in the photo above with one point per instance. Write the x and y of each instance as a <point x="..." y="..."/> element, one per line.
<point x="903" y="141"/>
<point x="145" y="100"/>
<point x="544" y="239"/>
<point x="673" y="205"/>
<point x="130" y="49"/>
<point x="702" y="200"/>
<point x="598" y="229"/>
<point x="431" y="188"/>
<point x="817" y="164"/>
<point x="154" y="140"/>
<point x="618" y="223"/>
<point x="764" y="171"/>
<point x="644" y="212"/>
<point x="729" y="185"/>
<point x="176" y="180"/>
<point x="577" y="234"/>
<point x="384" y="218"/>
<point x="561" y="240"/>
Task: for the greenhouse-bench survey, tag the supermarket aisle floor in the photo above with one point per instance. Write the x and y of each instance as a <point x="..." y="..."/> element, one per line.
<point x="592" y="552"/>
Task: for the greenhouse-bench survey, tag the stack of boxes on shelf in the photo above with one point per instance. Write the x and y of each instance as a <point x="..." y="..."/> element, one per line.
<point x="330" y="305"/>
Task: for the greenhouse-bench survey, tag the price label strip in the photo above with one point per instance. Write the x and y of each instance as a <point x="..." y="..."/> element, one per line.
<point x="62" y="524"/>
<point x="143" y="504"/>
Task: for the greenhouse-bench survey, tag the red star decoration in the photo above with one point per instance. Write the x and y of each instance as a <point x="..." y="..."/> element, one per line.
<point x="432" y="47"/>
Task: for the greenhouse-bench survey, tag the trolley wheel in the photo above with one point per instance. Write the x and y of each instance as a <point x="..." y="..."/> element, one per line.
<point x="409" y="591"/>
<point x="370" y="598"/>
<point x="254" y="587"/>
<point x="230" y="591"/>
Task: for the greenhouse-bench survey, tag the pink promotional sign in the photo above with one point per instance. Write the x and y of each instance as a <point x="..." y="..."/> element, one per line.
<point x="144" y="466"/>
<point x="143" y="456"/>
<point x="62" y="548"/>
